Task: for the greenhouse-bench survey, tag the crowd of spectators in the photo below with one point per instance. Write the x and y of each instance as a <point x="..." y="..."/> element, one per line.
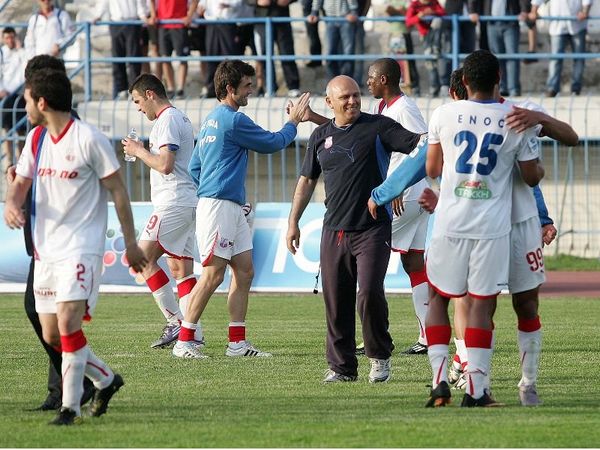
<point x="50" y="27"/>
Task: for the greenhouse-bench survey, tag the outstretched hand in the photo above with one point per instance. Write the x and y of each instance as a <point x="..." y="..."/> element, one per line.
<point x="298" y="111"/>
<point x="521" y="119"/>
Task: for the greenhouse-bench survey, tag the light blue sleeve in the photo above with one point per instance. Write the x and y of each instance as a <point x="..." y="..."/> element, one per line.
<point x="541" y="206"/>
<point x="249" y="135"/>
<point x="409" y="172"/>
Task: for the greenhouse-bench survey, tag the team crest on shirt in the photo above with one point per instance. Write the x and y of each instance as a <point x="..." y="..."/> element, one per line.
<point x="328" y="142"/>
<point x="70" y="158"/>
<point x="473" y="189"/>
<point x="224" y="243"/>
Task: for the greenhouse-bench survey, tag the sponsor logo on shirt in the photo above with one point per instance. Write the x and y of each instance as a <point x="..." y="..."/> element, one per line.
<point x="474" y="190"/>
<point x="49" y="172"/>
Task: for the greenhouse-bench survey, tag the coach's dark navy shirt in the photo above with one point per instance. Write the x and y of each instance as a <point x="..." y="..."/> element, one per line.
<point x="354" y="160"/>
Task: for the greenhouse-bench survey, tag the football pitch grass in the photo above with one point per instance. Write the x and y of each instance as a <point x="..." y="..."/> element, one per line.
<point x="281" y="401"/>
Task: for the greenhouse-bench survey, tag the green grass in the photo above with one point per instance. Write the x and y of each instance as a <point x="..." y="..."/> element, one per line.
<point x="281" y="402"/>
<point x="571" y="263"/>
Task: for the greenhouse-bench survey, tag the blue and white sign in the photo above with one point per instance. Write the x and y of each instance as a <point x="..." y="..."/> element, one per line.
<point x="276" y="269"/>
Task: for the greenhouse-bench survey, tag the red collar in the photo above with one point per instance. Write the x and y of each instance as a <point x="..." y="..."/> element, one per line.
<point x="163" y="110"/>
<point x="382" y="103"/>
<point x="62" y="133"/>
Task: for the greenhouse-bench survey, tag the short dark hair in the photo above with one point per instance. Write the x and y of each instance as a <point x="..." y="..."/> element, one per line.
<point x="230" y="72"/>
<point x="390" y="68"/>
<point x="456" y="84"/>
<point x="481" y="71"/>
<point x="40" y="62"/>
<point x="7" y="30"/>
<point x="52" y="85"/>
<point x="148" y="82"/>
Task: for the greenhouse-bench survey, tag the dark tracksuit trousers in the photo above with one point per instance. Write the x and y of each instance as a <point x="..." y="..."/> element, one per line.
<point x="348" y="258"/>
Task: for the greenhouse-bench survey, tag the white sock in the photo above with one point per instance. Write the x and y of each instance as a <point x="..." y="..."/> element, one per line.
<point x="461" y="350"/>
<point x="73" y="369"/>
<point x="487" y="381"/>
<point x="530" y="346"/>
<point x="167" y="303"/>
<point x="420" y="295"/>
<point x="438" y="358"/>
<point x="98" y="371"/>
<point x="478" y="369"/>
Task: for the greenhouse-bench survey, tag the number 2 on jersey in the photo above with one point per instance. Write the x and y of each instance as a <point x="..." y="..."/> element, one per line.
<point x="462" y="163"/>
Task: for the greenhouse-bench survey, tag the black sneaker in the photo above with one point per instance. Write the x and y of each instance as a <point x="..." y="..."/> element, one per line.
<point x="416" y="349"/>
<point x="440" y="396"/>
<point x="50" y="404"/>
<point x="66" y="416"/>
<point x="99" y="404"/>
<point x="485" y="401"/>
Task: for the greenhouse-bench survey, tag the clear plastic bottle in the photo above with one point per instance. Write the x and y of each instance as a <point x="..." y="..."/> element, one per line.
<point x="134" y="137"/>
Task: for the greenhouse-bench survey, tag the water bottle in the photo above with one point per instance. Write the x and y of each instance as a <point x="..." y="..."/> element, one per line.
<point x="134" y="137"/>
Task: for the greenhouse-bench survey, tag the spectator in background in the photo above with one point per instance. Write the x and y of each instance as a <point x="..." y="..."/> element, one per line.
<point x="173" y="37"/>
<point x="563" y="32"/>
<point x="401" y="43"/>
<point x="431" y="35"/>
<point x="531" y="33"/>
<point x="312" y="31"/>
<point x="359" y="44"/>
<point x="47" y="30"/>
<point x="125" y="40"/>
<point x="222" y="39"/>
<point x="467" y="36"/>
<point x="341" y="36"/>
<point x="282" y="35"/>
<point x="503" y="37"/>
<point x="12" y="76"/>
<point x="197" y="36"/>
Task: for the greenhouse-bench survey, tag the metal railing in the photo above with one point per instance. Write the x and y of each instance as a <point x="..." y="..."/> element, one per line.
<point x="572" y="184"/>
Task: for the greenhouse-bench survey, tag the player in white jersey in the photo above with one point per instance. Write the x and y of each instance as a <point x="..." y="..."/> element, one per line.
<point x="171" y="228"/>
<point x="474" y="151"/>
<point x="71" y="166"/>
<point x="526" y="274"/>
<point x="409" y="224"/>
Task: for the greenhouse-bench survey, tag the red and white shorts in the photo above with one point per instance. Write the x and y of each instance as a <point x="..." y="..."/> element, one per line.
<point x="71" y="279"/>
<point x="526" y="256"/>
<point x="478" y="267"/>
<point x="410" y="229"/>
<point x="221" y="229"/>
<point x="173" y="228"/>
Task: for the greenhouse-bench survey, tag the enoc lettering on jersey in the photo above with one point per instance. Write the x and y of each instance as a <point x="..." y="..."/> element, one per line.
<point x="476" y="120"/>
<point x="64" y="174"/>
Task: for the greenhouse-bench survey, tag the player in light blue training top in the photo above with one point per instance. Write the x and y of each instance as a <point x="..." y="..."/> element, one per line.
<point x="218" y="167"/>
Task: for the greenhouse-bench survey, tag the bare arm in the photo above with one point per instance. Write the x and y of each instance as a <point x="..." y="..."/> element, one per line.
<point x="135" y="255"/>
<point x="164" y="162"/>
<point x="532" y="171"/>
<point x="302" y="195"/>
<point x="435" y="161"/>
<point x="15" y="198"/>
<point x="521" y="119"/>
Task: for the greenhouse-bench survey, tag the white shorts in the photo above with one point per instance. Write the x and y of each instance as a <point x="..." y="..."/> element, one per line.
<point x="173" y="228"/>
<point x="410" y="229"/>
<point x="76" y="278"/>
<point x="478" y="267"/>
<point x="526" y="256"/>
<point x="221" y="229"/>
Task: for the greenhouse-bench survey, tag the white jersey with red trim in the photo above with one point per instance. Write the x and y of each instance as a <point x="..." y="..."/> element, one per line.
<point x="479" y="153"/>
<point x="69" y="210"/>
<point x="524" y="206"/>
<point x="174" y="131"/>
<point x="405" y="111"/>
